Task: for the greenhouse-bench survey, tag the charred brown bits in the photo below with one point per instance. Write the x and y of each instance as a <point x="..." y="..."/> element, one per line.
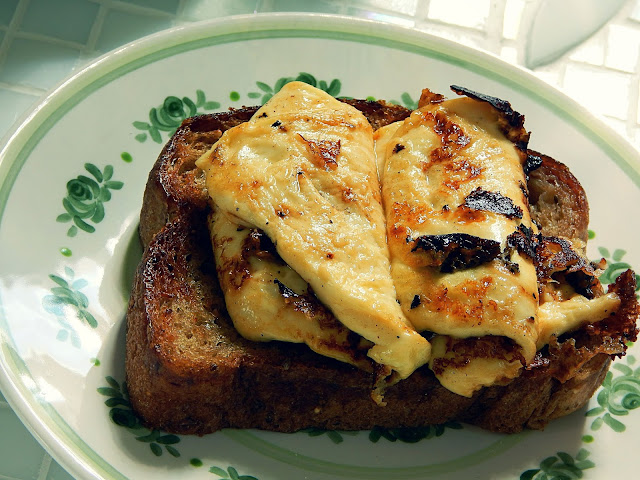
<point x="511" y="122"/>
<point x="451" y="135"/>
<point x="427" y="97"/>
<point x="481" y="199"/>
<point x="456" y="251"/>
<point x="324" y="153"/>
<point x="552" y="257"/>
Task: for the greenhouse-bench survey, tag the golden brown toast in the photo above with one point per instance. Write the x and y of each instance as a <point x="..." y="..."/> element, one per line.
<point x="189" y="371"/>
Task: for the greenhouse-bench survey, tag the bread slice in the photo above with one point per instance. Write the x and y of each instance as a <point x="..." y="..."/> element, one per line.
<point x="189" y="372"/>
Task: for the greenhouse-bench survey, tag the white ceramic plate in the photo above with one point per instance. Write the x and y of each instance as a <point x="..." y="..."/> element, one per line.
<point x="85" y="152"/>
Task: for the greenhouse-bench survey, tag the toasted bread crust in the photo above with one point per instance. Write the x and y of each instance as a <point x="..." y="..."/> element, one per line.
<point x="558" y="201"/>
<point x="183" y="352"/>
<point x="174" y="182"/>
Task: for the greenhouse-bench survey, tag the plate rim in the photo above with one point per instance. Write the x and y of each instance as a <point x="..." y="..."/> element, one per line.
<point x="80" y="461"/>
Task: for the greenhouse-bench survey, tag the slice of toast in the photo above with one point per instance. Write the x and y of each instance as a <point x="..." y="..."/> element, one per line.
<point x="188" y="370"/>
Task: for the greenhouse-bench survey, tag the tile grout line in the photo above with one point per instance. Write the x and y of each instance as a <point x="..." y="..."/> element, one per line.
<point x="24" y="89"/>
<point x="89" y="49"/>
<point x="49" y="39"/>
<point x="104" y="7"/>
<point x="494" y="26"/>
<point x="631" y="122"/>
<point x="341" y="6"/>
<point x="452" y="28"/>
<point x="633" y="114"/>
<point x="179" y="16"/>
<point x="422" y="11"/>
<point x="12" y="29"/>
<point x="131" y="8"/>
<point x="383" y="10"/>
<point x="633" y="119"/>
<point x="43" y="472"/>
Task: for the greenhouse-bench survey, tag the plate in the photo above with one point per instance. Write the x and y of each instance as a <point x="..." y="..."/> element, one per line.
<point x="72" y="177"/>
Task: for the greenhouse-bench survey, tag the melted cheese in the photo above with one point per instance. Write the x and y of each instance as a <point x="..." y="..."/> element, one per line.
<point x="465" y="376"/>
<point x="426" y="179"/>
<point x="303" y="170"/>
<point x="382" y="138"/>
<point x="254" y="300"/>
<point x="556" y="318"/>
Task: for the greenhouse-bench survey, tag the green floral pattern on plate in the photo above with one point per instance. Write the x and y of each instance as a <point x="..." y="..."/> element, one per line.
<point x="615" y="266"/>
<point x="85" y="199"/>
<point x="230" y="473"/>
<point x="561" y="466"/>
<point x="618" y="395"/>
<point x="406" y="101"/>
<point x="406" y="435"/>
<point x="166" y="118"/>
<point x="267" y="91"/>
<point x="412" y="435"/>
<point x="67" y="294"/>
<point x="123" y="415"/>
<point x="333" y="435"/>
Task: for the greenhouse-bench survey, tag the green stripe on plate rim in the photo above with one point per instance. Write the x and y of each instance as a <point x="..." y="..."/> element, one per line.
<point x="163" y="45"/>
<point x="56" y="423"/>
<point x="252" y="441"/>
